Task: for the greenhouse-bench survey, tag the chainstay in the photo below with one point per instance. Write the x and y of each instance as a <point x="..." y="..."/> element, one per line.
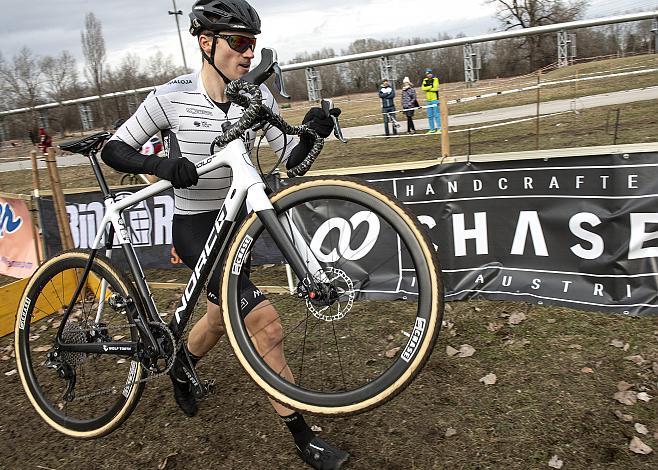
<point x="148" y="378"/>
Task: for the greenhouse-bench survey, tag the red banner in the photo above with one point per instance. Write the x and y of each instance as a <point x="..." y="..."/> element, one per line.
<point x="18" y="257"/>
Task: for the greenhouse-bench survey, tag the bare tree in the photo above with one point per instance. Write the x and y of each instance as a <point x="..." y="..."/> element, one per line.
<point x="22" y="78"/>
<point x="93" y="48"/>
<point x="61" y="81"/>
<point x="530" y="13"/>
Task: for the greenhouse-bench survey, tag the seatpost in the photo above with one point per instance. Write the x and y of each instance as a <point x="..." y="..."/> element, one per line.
<point x="98" y="173"/>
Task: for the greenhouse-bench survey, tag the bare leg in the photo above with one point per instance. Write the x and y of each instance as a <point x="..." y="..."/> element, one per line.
<point x="206" y="332"/>
<point x="267" y="332"/>
<point x="268" y="339"/>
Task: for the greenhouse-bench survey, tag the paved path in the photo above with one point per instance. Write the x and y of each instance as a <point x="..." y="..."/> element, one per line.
<point x="517" y="112"/>
<point x="501" y="114"/>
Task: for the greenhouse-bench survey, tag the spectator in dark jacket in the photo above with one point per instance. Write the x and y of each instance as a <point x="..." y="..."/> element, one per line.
<point x="409" y="104"/>
<point x="387" y="93"/>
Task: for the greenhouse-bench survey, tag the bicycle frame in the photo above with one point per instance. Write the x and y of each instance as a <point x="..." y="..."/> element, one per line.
<point x="247" y="187"/>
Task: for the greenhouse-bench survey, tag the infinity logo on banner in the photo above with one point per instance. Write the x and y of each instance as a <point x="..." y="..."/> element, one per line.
<point x="345" y="228"/>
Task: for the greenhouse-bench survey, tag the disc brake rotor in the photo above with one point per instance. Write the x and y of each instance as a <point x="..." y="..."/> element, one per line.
<point x="336" y="307"/>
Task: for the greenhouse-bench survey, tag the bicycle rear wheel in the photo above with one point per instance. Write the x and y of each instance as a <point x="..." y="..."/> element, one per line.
<point x="383" y="306"/>
<point x="79" y="394"/>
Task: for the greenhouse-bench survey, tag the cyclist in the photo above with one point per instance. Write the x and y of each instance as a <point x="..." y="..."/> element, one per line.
<point x="189" y="112"/>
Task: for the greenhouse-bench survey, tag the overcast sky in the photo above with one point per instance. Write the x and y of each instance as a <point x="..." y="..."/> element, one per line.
<point x="289" y="26"/>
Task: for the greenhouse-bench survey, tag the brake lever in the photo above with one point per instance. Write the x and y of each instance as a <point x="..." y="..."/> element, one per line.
<point x="327" y="106"/>
<point x="268" y="65"/>
<point x="278" y="81"/>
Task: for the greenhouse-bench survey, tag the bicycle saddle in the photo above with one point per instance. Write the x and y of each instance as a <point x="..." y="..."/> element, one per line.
<point x="86" y="145"/>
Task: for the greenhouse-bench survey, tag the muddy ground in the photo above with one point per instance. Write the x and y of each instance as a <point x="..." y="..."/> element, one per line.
<point x="556" y="376"/>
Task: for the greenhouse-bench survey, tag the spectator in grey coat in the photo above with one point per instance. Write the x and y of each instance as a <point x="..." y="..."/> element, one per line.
<point x="387" y="93"/>
<point x="409" y="103"/>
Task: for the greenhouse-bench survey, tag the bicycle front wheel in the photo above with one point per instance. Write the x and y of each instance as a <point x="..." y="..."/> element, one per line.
<point x="80" y="394"/>
<point x="375" y="326"/>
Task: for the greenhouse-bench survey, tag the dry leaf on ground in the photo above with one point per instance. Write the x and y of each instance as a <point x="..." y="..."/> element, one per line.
<point x="163" y="464"/>
<point x="644" y="396"/>
<point x="587" y="370"/>
<point x="316" y="428"/>
<point x="636" y="445"/>
<point x="623" y="386"/>
<point x="494" y="326"/>
<point x="450" y="351"/>
<point x="628" y="397"/>
<point x="575" y="346"/>
<point x="555" y="462"/>
<point x="617" y="343"/>
<point x="636" y="358"/>
<point x="466" y="350"/>
<point x="551" y="320"/>
<point x="641" y="428"/>
<point x="451" y="432"/>
<point x="489" y="379"/>
<point x="623" y="416"/>
<point x="10" y="372"/>
<point x="391" y="352"/>
<point x="654" y="366"/>
<point x="516" y="317"/>
<point x="41" y="349"/>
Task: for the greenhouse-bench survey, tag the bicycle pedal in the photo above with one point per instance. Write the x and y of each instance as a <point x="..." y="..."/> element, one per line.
<point x="203" y="389"/>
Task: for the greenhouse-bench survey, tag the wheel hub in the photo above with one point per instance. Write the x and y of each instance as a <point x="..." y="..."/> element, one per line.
<point x="335" y="297"/>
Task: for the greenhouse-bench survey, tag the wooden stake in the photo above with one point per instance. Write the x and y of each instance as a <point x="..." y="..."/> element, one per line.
<point x="445" y="136"/>
<point x="36" y="185"/>
<point x="58" y="201"/>
<point x="538" y="103"/>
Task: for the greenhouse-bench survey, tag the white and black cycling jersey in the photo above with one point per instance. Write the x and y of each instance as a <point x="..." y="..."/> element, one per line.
<point x="189" y="121"/>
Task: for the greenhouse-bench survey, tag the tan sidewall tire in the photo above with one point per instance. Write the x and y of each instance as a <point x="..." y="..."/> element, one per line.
<point x="434" y="318"/>
<point x="135" y="391"/>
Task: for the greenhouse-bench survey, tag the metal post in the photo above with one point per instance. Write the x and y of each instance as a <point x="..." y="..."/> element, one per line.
<point x="614" y="140"/>
<point x="469" y="67"/>
<point x="86" y="118"/>
<point x="387" y="70"/>
<point x="43" y="119"/>
<point x="176" y="13"/>
<point x="3" y="132"/>
<point x="313" y="84"/>
<point x="562" y="48"/>
<point x="572" y="49"/>
<point x="654" y="29"/>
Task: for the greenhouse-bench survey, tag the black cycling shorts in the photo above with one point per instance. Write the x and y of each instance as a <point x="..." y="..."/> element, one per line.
<point x="190" y="233"/>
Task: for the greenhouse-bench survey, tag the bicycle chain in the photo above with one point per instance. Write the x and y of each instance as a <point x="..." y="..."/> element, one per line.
<point x="148" y="378"/>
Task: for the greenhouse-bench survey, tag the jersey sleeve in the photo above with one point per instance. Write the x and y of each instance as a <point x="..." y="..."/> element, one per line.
<point x="279" y="142"/>
<point x="155" y="114"/>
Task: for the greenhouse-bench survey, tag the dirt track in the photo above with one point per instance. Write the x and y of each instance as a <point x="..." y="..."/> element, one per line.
<point x="543" y="405"/>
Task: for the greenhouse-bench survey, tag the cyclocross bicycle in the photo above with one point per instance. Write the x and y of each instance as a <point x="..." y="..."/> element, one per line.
<point x="359" y="320"/>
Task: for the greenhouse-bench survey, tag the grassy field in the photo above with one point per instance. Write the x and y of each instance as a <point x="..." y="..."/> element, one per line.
<point x="365" y="108"/>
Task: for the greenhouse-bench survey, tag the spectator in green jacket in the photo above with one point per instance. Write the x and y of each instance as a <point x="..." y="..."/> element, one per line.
<point x="430" y="86"/>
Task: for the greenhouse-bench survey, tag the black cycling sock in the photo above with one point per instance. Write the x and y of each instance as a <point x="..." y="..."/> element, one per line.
<point x="301" y="432"/>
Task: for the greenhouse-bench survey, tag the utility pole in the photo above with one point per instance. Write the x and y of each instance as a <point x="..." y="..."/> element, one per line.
<point x="177" y="12"/>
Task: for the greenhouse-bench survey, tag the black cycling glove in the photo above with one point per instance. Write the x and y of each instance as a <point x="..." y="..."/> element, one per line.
<point x="317" y="120"/>
<point x="180" y="171"/>
<point x="428" y="82"/>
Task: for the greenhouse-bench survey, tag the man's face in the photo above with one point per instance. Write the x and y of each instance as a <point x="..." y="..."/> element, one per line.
<point x="232" y="63"/>
<point x="385" y="83"/>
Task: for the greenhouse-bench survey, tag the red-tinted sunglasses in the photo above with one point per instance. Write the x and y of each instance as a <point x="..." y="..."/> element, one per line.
<point x="238" y="43"/>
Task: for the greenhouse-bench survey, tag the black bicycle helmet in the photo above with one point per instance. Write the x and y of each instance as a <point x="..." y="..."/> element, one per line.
<point x="223" y="15"/>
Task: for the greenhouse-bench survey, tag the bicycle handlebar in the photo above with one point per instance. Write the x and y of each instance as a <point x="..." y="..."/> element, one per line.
<point x="249" y="96"/>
